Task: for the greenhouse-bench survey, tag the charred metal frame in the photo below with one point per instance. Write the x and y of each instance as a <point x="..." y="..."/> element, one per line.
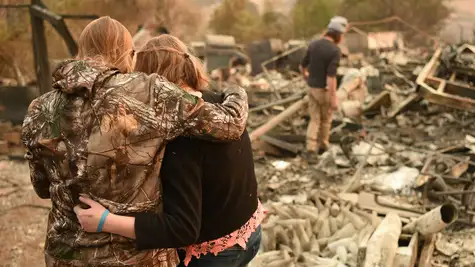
<point x="444" y="92"/>
<point x="39" y="13"/>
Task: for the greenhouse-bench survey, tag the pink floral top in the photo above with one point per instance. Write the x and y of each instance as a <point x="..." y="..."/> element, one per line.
<point x="239" y="237"/>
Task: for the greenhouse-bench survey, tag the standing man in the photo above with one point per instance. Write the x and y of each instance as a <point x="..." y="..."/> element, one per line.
<point x="319" y="67"/>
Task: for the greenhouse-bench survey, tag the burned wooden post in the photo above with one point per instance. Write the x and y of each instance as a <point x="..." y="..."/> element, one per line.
<point x="17" y="98"/>
<point x="427" y="251"/>
<point x="39" y="47"/>
<point x="279" y="102"/>
<point x="295" y="107"/>
<point x="281" y="144"/>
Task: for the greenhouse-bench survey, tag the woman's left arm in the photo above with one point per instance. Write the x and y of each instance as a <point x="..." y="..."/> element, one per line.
<point x="111" y="223"/>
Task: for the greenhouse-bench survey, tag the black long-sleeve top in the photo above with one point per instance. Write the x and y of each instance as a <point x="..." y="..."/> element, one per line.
<point x="209" y="191"/>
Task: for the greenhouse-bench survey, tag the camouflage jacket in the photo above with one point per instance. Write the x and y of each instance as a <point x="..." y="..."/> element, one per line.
<point x="103" y="133"/>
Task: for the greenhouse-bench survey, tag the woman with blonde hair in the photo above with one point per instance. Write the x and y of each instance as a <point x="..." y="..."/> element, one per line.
<point x="211" y="209"/>
<point x="101" y="132"/>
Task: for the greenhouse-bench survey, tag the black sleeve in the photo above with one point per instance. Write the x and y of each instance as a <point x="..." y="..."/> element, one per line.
<point x="306" y="59"/>
<point x="333" y="65"/>
<point x="213" y="97"/>
<point x="179" y="224"/>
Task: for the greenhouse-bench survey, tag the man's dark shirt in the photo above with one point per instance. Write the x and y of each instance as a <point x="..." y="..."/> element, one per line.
<point x="321" y="60"/>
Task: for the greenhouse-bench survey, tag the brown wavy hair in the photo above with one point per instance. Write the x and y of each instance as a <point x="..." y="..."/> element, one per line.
<point x="169" y="57"/>
<point x="107" y="41"/>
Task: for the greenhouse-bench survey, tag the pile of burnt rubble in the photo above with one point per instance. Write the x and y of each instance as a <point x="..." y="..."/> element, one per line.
<point x="395" y="188"/>
<point x="10" y="140"/>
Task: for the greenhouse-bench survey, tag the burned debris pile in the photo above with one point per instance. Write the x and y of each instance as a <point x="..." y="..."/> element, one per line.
<point x="448" y="78"/>
<point x="395" y="188"/>
<point x="10" y="140"/>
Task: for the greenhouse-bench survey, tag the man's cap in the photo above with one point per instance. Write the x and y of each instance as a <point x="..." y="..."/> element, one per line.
<point x="338" y="24"/>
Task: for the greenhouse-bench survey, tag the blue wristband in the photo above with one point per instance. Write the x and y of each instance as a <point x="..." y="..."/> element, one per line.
<point x="102" y="220"/>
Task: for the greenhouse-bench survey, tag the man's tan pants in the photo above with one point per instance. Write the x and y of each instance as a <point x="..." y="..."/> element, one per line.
<point x="318" y="131"/>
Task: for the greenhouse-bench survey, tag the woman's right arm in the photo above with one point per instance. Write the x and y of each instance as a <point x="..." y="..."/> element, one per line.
<point x="193" y="116"/>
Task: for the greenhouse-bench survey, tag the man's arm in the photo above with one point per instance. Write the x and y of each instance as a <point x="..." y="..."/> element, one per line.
<point x="304" y="64"/>
<point x="331" y="78"/>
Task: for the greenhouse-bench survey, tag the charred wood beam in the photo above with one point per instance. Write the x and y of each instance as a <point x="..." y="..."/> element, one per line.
<point x="295" y="149"/>
<point x="40" y="12"/>
<point x="40" y="50"/>
<point x="427" y="251"/>
<point x="14" y="6"/>
<point x="87" y="17"/>
<point x="294" y="108"/>
<point x="280" y="102"/>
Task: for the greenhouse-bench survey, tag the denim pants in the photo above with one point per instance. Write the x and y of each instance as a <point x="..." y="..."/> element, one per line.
<point x="234" y="256"/>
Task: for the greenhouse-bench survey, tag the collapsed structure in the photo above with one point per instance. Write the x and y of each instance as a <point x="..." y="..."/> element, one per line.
<point x="395" y="188"/>
<point x="399" y="193"/>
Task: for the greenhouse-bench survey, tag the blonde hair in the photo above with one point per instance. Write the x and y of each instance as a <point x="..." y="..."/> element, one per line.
<point x="169" y="57"/>
<point x="107" y="41"/>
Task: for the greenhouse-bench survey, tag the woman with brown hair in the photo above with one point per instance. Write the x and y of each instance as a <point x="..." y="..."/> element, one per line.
<point x="102" y="131"/>
<point x="211" y="209"/>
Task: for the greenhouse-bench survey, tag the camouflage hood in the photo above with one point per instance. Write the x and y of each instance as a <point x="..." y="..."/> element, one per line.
<point x="78" y="76"/>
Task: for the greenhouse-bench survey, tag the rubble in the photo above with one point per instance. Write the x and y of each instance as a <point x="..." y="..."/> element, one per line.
<point x="312" y="232"/>
<point x="278" y="119"/>
<point x="10" y="141"/>
<point x="413" y="167"/>
<point x="444" y="81"/>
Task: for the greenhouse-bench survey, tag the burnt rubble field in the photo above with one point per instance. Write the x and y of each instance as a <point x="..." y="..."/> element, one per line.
<point x="396" y="188"/>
